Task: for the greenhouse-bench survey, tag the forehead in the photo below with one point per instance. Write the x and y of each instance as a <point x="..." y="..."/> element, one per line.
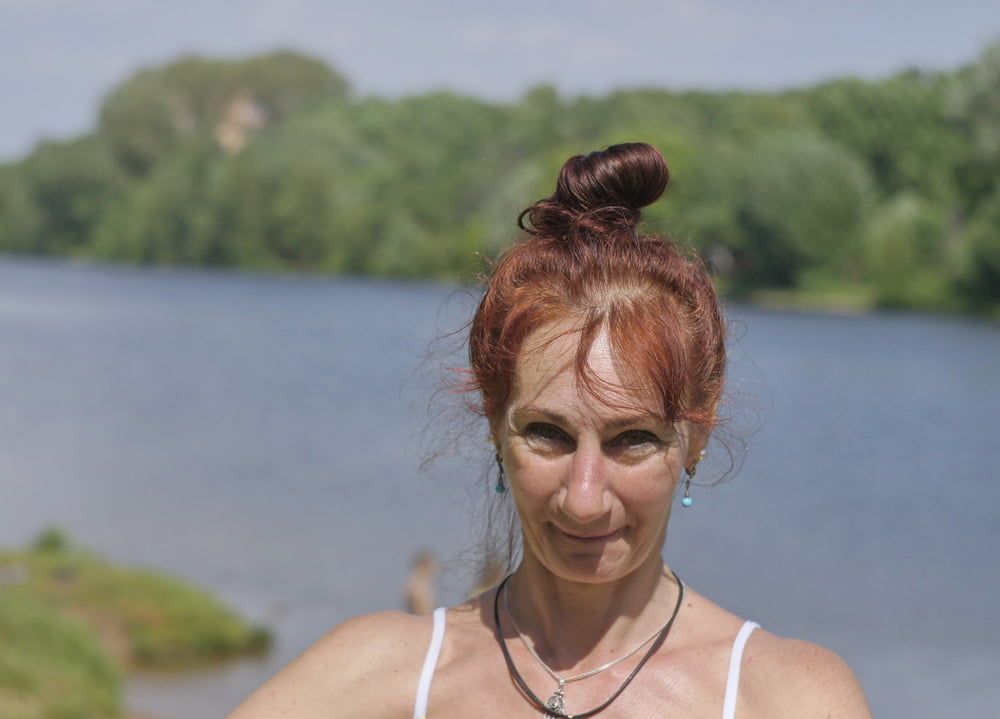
<point x="547" y="373"/>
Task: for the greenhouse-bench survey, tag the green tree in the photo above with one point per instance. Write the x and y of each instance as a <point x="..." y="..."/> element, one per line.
<point x="286" y="82"/>
<point x="149" y="115"/>
<point x="800" y="206"/>
<point x="974" y="104"/>
<point x="898" y="126"/>
<point x="20" y="217"/>
<point x="438" y="159"/>
<point x="905" y="256"/>
<point x="980" y="281"/>
<point x="277" y="205"/>
<point x="171" y="216"/>
<point x="72" y="184"/>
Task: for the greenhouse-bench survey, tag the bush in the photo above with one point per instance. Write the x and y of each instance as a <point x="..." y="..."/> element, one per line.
<point x="52" y="539"/>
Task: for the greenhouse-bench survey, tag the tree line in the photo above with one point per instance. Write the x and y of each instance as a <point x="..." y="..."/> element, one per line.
<point x="886" y="189"/>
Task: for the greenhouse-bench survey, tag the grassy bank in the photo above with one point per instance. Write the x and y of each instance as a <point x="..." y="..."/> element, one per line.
<point x="71" y="624"/>
<point x="51" y="666"/>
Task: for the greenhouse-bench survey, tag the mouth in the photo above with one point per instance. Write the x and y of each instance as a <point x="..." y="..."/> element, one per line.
<point x="590" y="537"/>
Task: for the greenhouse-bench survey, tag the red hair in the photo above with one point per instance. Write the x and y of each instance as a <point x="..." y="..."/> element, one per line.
<point x="580" y="258"/>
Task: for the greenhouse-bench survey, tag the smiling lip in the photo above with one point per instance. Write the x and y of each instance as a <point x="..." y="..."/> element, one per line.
<point x="592" y="537"/>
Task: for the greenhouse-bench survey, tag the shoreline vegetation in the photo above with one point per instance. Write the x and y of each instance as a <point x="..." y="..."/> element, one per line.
<point x="847" y="195"/>
<point x="73" y="626"/>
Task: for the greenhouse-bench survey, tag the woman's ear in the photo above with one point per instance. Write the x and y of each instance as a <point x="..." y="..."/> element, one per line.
<point x="698" y="435"/>
<point x="495" y="432"/>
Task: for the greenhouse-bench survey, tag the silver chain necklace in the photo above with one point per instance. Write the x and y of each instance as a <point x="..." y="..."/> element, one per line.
<point x="557" y="700"/>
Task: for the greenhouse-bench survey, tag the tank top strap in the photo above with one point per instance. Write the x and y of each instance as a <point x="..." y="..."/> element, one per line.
<point x="733" y="677"/>
<point x="430" y="662"/>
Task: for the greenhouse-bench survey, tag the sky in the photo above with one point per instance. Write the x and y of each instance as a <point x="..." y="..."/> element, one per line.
<point x="60" y="57"/>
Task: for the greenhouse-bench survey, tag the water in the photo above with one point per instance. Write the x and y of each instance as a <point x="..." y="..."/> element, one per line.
<point x="261" y="436"/>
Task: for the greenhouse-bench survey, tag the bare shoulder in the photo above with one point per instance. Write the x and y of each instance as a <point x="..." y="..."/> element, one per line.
<point x="369" y="665"/>
<point x="794" y="678"/>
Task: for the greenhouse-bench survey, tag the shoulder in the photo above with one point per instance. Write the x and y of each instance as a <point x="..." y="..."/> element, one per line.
<point x="793" y="678"/>
<point x="369" y="665"/>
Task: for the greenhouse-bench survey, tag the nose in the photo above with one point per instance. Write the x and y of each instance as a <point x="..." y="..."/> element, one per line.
<point x="586" y="496"/>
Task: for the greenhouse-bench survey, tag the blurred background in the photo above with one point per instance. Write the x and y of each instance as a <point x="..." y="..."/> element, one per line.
<point x="236" y="239"/>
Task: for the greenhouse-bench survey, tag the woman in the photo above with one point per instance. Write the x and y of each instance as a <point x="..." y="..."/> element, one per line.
<point x="598" y="355"/>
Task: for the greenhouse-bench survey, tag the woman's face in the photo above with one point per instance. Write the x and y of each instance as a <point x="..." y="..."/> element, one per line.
<point x="593" y="483"/>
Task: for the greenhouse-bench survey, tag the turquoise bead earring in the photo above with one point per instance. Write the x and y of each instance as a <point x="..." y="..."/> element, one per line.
<point x="501" y="487"/>
<point x="686" y="500"/>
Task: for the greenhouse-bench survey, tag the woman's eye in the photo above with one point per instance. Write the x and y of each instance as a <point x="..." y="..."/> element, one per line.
<point x="637" y="438"/>
<point x="547" y="432"/>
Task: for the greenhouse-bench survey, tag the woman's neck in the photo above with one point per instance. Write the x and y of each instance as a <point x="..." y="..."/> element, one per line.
<point x="574" y="625"/>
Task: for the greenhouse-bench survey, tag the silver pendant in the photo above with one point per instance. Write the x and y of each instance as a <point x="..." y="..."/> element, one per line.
<point x="556" y="702"/>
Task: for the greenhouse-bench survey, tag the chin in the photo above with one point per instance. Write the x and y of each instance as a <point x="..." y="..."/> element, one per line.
<point x="590" y="568"/>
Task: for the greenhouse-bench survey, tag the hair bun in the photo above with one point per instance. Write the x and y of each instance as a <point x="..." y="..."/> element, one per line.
<point x="601" y="191"/>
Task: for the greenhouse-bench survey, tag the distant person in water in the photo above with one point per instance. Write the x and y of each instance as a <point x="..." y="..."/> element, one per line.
<point x="596" y="359"/>
<point x="419" y="591"/>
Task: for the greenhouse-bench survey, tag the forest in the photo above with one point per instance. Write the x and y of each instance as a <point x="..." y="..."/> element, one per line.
<point x="863" y="193"/>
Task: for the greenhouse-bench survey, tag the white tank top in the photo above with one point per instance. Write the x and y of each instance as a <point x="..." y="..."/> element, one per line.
<point x="437" y="639"/>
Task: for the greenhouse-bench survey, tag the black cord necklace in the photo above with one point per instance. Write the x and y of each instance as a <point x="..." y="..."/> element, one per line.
<point x="551" y="711"/>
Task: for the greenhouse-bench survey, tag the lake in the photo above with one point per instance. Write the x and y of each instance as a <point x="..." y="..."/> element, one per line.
<point x="262" y="436"/>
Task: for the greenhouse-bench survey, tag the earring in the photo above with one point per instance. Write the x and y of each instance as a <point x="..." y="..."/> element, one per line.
<point x="686" y="501"/>
<point x="500" y="488"/>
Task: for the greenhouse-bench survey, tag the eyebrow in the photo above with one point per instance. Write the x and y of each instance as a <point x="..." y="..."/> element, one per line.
<point x="560" y="419"/>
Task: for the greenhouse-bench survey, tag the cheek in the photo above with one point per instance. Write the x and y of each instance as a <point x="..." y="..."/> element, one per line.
<point x="647" y="493"/>
<point x="534" y="479"/>
<point x="650" y="487"/>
